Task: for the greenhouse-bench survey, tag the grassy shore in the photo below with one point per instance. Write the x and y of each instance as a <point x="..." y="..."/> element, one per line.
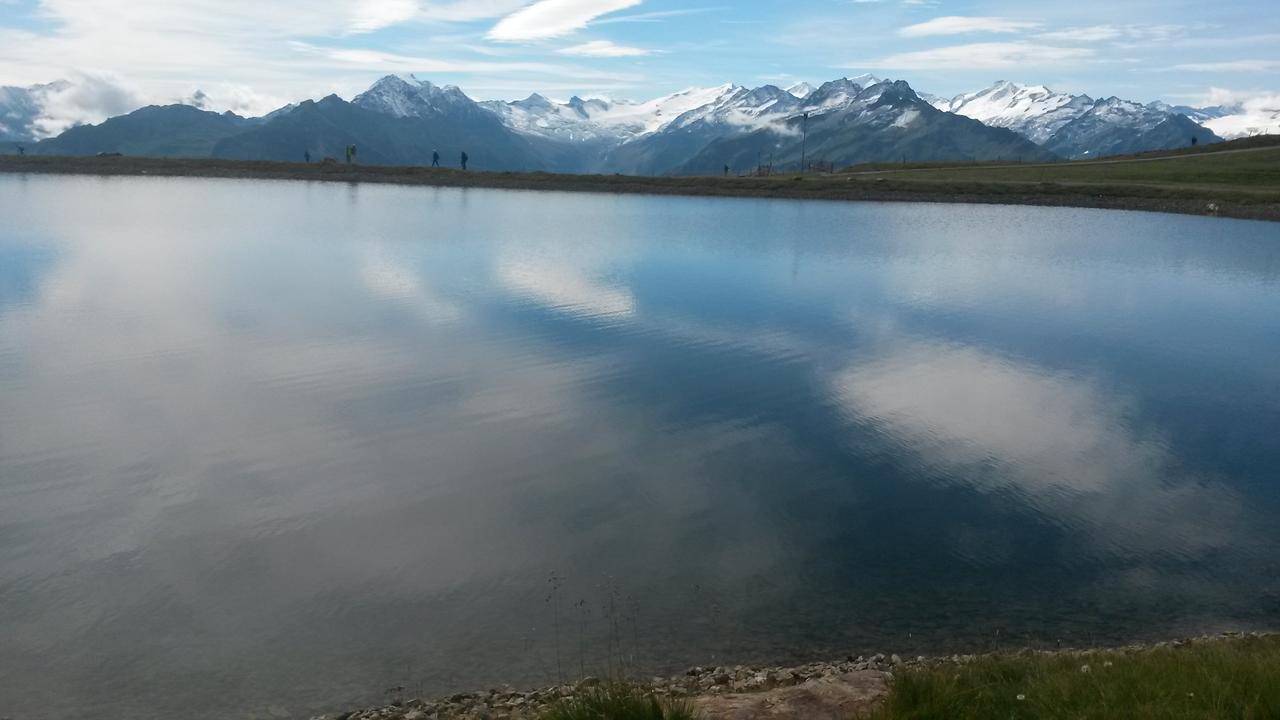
<point x="1239" y="179"/>
<point x="1232" y="676"/>
<point x="1208" y="680"/>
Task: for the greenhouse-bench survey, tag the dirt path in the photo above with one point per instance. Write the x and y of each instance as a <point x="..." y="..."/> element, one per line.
<point x="843" y="697"/>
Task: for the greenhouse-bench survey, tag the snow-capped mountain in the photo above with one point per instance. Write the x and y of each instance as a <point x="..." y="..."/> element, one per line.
<point x="1077" y="126"/>
<point x="847" y="123"/>
<point x="567" y="122"/>
<point x="1034" y="111"/>
<point x="801" y="90"/>
<point x="729" y="108"/>
<point x="743" y="109"/>
<point x="413" y="98"/>
<point x="596" y="119"/>
<point x="848" y="120"/>
<point x="1113" y="126"/>
<point x="1200" y="115"/>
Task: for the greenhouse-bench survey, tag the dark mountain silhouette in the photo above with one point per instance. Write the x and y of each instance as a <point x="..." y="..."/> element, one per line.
<point x="158" y="131"/>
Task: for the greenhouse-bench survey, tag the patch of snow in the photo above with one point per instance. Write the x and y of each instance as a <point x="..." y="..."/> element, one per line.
<point x="801" y="90"/>
<point x="906" y="118"/>
<point x="1032" y="110"/>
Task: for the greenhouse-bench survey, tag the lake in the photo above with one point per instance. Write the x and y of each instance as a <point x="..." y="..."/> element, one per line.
<point x="270" y="448"/>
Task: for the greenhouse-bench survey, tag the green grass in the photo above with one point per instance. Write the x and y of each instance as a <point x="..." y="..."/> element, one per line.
<point x="1237" y="679"/>
<point x="617" y="701"/>
<point x="1255" y="171"/>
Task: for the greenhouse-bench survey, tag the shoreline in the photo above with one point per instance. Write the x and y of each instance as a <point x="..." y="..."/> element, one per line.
<point x="848" y="688"/>
<point x="849" y="187"/>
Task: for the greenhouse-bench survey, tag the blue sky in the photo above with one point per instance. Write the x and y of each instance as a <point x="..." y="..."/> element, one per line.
<point x="250" y="55"/>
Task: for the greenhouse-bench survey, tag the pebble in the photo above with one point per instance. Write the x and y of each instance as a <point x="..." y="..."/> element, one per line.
<point x="510" y="704"/>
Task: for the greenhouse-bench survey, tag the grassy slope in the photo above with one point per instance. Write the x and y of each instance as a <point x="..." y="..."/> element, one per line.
<point x="1201" y="681"/>
<point x="1254" y="172"/>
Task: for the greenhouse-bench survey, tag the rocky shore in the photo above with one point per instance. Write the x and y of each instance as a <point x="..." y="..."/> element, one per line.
<point x="842" y="689"/>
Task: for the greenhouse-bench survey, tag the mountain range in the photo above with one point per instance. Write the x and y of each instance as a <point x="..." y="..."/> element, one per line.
<point x="696" y="131"/>
<point x="1077" y="126"/>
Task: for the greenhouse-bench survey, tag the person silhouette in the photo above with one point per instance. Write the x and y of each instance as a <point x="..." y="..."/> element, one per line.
<point x="435" y="158"/>
<point x="464" y="159"/>
<point x="1194" y="141"/>
<point x="726" y="170"/>
<point x="22" y="150"/>
<point x="307" y="156"/>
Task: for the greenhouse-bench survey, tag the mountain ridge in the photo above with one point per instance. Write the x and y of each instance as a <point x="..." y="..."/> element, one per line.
<point x="403" y="120"/>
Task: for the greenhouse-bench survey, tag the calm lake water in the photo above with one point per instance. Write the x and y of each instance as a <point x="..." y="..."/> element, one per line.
<point x="271" y="448"/>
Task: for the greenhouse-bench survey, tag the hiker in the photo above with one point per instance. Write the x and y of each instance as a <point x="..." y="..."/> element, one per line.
<point x="307" y="155"/>
<point x="464" y="159"/>
<point x="353" y="154"/>
<point x="348" y="154"/>
<point x="21" y="150"/>
<point x="435" y="158"/>
<point x="1194" y="141"/>
<point x="726" y="170"/>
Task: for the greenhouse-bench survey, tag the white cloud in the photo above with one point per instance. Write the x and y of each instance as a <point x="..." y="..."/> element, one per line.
<point x="380" y="61"/>
<point x="1102" y="33"/>
<point x="957" y="25"/>
<point x="239" y="99"/>
<point x="982" y="56"/>
<point x="82" y="100"/>
<point x="173" y="46"/>
<point x="603" y="49"/>
<point x="1242" y="66"/>
<point x="1255" y="112"/>
<point x="554" y="18"/>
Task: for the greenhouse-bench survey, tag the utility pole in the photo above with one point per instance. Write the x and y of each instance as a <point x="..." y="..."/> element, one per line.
<point x="804" y="141"/>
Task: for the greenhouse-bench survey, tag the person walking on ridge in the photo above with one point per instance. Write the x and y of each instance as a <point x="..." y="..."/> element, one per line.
<point x="435" y="158"/>
<point x="353" y="154"/>
<point x="307" y="156"/>
<point x="726" y="169"/>
<point x="464" y="159"/>
<point x="348" y="154"/>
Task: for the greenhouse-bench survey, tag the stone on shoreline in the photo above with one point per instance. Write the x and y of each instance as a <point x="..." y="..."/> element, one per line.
<point x="840" y="689"/>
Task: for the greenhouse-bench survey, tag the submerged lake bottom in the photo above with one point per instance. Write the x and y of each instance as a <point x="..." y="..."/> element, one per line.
<point x="269" y="448"/>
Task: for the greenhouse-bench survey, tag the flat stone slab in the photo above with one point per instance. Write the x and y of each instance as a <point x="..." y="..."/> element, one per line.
<point x="839" y="697"/>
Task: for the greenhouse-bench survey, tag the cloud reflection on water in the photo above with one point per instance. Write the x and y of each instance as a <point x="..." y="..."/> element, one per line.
<point x="298" y="430"/>
<point x="1063" y="444"/>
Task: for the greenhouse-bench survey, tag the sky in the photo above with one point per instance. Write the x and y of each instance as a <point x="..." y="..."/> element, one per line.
<point x="252" y="56"/>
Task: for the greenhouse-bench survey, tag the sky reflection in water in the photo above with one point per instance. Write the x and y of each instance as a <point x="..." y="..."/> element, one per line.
<point x="282" y="444"/>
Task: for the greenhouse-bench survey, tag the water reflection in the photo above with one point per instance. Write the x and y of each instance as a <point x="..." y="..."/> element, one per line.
<point x="1065" y="447"/>
<point x="287" y="444"/>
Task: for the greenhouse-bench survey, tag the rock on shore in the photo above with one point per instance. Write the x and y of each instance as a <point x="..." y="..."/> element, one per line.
<point x="838" y="690"/>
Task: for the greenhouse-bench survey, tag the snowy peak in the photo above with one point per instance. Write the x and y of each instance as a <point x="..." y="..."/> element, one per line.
<point x="840" y="93"/>
<point x="743" y="109"/>
<point x="400" y="97"/>
<point x="1034" y="111"/>
<point x="1114" y="126"/>
<point x="801" y="90"/>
